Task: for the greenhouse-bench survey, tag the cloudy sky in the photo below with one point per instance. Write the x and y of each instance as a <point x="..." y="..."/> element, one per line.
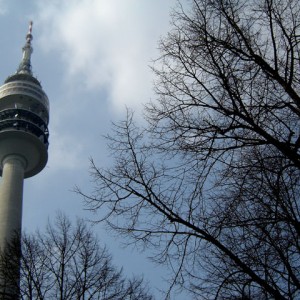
<point x="92" y="58"/>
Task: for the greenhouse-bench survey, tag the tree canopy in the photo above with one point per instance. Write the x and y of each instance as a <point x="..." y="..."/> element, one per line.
<point x="211" y="183"/>
<point x="65" y="262"/>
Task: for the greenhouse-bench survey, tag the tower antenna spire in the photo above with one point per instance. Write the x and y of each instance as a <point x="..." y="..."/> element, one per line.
<point x="29" y="35"/>
<point x="25" y="65"/>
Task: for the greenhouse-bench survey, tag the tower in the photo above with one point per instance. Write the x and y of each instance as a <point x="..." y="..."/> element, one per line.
<point x="24" y="116"/>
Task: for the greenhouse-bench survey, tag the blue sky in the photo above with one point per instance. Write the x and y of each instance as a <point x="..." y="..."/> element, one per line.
<point x="92" y="58"/>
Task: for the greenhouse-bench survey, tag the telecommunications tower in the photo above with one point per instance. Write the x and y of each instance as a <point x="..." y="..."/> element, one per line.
<point x="24" y="116"/>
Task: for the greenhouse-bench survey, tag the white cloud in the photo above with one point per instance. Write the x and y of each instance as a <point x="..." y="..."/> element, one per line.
<point x="64" y="153"/>
<point x="107" y="43"/>
<point x="3" y="7"/>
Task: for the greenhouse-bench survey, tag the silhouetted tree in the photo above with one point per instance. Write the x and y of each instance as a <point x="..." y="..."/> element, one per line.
<point x="10" y="258"/>
<point x="67" y="262"/>
<point x="212" y="181"/>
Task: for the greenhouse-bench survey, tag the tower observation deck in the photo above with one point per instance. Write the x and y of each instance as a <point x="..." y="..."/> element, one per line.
<point x="24" y="117"/>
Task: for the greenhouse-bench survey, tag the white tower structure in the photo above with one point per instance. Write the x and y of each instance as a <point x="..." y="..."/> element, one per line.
<point x="24" y="116"/>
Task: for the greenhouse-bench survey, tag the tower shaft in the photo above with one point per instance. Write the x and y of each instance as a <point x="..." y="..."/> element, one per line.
<point x="11" y="192"/>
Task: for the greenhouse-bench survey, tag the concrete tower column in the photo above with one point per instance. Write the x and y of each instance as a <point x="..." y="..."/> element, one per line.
<point x="11" y="192"/>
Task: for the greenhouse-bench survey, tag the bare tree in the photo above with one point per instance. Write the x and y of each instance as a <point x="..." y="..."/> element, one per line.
<point x="66" y="262"/>
<point x="9" y="269"/>
<point x="212" y="181"/>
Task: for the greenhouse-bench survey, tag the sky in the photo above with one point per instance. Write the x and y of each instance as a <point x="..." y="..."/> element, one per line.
<point x="93" y="60"/>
